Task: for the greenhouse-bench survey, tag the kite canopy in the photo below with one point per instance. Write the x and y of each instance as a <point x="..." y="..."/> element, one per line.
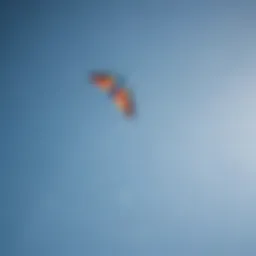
<point x="123" y="100"/>
<point x="121" y="97"/>
<point x="105" y="82"/>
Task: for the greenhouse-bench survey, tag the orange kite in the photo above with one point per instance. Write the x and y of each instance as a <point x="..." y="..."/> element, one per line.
<point x="121" y="97"/>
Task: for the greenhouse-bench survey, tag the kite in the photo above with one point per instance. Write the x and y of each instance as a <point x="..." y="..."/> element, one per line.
<point x="121" y="96"/>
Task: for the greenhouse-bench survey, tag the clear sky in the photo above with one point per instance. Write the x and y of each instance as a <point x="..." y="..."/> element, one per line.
<point x="79" y="179"/>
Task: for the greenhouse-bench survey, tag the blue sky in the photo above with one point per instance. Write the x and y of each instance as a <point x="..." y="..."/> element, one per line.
<point x="81" y="180"/>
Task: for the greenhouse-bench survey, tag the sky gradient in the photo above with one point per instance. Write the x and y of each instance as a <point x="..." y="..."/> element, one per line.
<point x="78" y="179"/>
